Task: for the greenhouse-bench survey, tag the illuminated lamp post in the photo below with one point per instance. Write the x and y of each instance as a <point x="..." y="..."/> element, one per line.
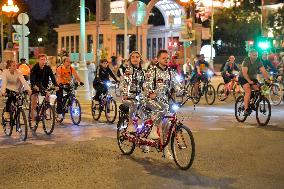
<point x="10" y="10"/>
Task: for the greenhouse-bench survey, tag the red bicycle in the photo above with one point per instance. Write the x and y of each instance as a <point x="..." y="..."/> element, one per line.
<point x="179" y="136"/>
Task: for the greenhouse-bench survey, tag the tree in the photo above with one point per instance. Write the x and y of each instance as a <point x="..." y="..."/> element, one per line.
<point x="234" y="26"/>
<point x="275" y="21"/>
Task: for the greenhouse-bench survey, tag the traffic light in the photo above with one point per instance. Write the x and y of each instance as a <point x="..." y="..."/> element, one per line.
<point x="264" y="43"/>
<point x="249" y="45"/>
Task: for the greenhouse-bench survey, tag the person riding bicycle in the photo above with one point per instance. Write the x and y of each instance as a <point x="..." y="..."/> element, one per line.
<point x="39" y="78"/>
<point x="12" y="80"/>
<point x="267" y="63"/>
<point x="132" y="85"/>
<point x="24" y="68"/>
<point x="227" y="72"/>
<point x="199" y="71"/>
<point x="64" y="76"/>
<point x="122" y="68"/>
<point x="102" y="78"/>
<point x="248" y="76"/>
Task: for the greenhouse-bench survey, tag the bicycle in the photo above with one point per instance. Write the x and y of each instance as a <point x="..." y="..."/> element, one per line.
<point x="117" y="90"/>
<point x="258" y="103"/>
<point x="17" y="117"/>
<point x="176" y="136"/>
<point x="44" y="113"/>
<point x="108" y="105"/>
<point x="224" y="91"/>
<point x="275" y="89"/>
<point x="69" y="101"/>
<point x="206" y="90"/>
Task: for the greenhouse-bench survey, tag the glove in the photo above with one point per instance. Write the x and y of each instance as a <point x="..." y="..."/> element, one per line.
<point x="81" y="83"/>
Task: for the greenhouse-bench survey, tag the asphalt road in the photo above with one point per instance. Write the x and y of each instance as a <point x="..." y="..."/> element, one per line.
<point x="228" y="155"/>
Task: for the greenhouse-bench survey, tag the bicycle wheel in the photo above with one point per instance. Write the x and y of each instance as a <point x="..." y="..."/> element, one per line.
<point x="186" y="92"/>
<point x="263" y="108"/>
<point x="111" y="110"/>
<point x="125" y="145"/>
<point x="178" y="96"/>
<point x="239" y="109"/>
<point x="49" y="119"/>
<point x="183" y="147"/>
<point x="22" y="125"/>
<point x="275" y="94"/>
<point x="58" y="120"/>
<point x="237" y="91"/>
<point x="210" y="94"/>
<point x="75" y="111"/>
<point x="221" y="92"/>
<point x="96" y="110"/>
<point x="196" y="95"/>
<point x="6" y="124"/>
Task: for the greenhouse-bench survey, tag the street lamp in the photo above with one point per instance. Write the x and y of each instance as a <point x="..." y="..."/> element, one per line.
<point x="89" y="12"/>
<point x="11" y="10"/>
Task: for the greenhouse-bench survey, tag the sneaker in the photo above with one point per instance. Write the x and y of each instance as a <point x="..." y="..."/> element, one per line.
<point x="153" y="134"/>
<point x="7" y="116"/>
<point x="60" y="116"/>
<point x="168" y="154"/>
<point x="145" y="148"/>
<point x="246" y="113"/>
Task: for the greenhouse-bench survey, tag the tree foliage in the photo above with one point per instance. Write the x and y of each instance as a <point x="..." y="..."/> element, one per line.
<point x="275" y="21"/>
<point x="233" y="26"/>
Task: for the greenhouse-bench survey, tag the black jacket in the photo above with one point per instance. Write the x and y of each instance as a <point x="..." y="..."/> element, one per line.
<point x="40" y="77"/>
<point x="104" y="74"/>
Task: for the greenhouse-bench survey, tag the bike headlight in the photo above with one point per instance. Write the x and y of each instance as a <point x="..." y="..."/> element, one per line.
<point x="271" y="73"/>
<point x="210" y="73"/>
<point x="108" y="83"/>
<point x="179" y="78"/>
<point x="175" y="107"/>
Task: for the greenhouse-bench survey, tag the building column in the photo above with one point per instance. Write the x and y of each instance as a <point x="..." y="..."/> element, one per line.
<point x="83" y="92"/>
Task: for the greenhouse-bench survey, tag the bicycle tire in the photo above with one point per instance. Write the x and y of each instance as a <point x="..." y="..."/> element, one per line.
<point x="240" y="109"/>
<point x="265" y="101"/>
<point x="22" y="127"/>
<point x="76" y="111"/>
<point x="109" y="120"/>
<point x="52" y="115"/>
<point x="117" y="91"/>
<point x="6" y="124"/>
<point x="186" y="92"/>
<point x="208" y="92"/>
<point x="221" y="92"/>
<point x="195" y="99"/>
<point x="121" y="130"/>
<point x="175" y="139"/>
<point x="95" y="109"/>
<point x="272" y="90"/>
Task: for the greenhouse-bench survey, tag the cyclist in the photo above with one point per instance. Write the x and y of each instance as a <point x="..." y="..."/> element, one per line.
<point x="228" y="74"/>
<point x="122" y="68"/>
<point x="40" y="77"/>
<point x="267" y="63"/>
<point x="12" y="80"/>
<point x="24" y="68"/>
<point x="160" y="82"/>
<point x="132" y="83"/>
<point x="64" y="76"/>
<point x="247" y="78"/>
<point x="102" y="78"/>
<point x="199" y="69"/>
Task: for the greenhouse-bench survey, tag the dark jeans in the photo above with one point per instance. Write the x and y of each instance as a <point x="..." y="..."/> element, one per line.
<point x="59" y="95"/>
<point x="227" y="78"/>
<point x="9" y="100"/>
<point x="101" y="89"/>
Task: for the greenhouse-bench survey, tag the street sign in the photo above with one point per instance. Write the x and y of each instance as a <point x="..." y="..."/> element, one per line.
<point x="16" y="37"/>
<point x="23" y="18"/>
<point x="136" y="13"/>
<point x="22" y="29"/>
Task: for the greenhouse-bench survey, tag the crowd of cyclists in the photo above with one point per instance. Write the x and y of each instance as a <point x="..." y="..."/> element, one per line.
<point x="158" y="81"/>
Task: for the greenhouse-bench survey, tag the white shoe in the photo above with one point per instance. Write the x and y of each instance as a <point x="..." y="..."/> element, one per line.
<point x="145" y="148"/>
<point x="168" y="154"/>
<point x="153" y="134"/>
<point x="60" y="116"/>
<point x="7" y="116"/>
